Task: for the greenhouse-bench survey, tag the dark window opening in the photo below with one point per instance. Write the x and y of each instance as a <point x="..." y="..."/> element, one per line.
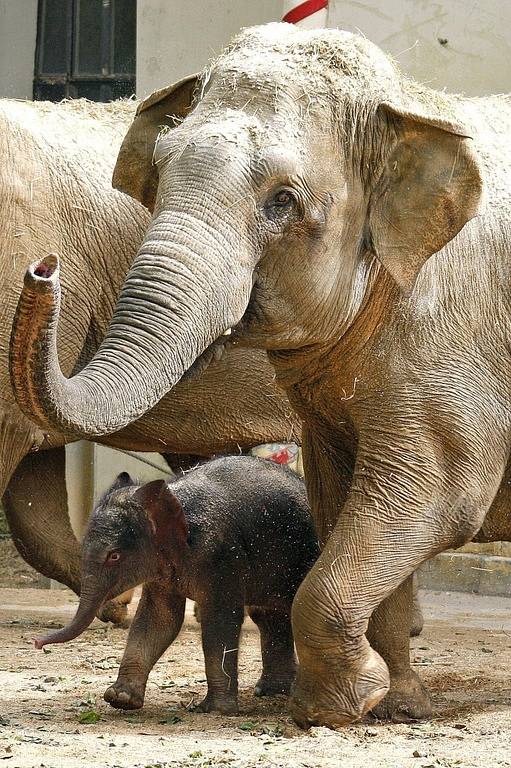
<point x="85" y="48"/>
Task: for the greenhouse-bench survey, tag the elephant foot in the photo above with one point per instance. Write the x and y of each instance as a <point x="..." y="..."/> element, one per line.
<point x="337" y="698"/>
<point x="274" y="685"/>
<point x="406" y="701"/>
<point x="115" y="612"/>
<point x="225" y="705"/>
<point x="125" y="694"/>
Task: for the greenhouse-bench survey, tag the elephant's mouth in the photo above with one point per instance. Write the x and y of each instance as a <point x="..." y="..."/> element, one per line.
<point x="214" y="352"/>
<point x="231" y="337"/>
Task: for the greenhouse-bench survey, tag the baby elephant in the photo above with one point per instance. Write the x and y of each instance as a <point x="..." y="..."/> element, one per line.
<point x="231" y="533"/>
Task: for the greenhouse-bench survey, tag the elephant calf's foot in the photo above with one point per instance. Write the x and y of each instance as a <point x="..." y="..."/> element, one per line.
<point x="115" y="612"/>
<point x="406" y="701"/>
<point x="275" y="685"/>
<point x="226" y="705"/>
<point x="125" y="694"/>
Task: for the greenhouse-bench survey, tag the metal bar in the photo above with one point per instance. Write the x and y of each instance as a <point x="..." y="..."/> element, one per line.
<point x="106" y="24"/>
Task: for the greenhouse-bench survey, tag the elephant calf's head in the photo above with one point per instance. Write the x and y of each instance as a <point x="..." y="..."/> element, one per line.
<point x="134" y="535"/>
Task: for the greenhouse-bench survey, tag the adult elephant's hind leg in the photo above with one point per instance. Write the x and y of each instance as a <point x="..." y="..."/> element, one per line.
<point x="389" y="634"/>
<point x="417" y="623"/>
<point x="35" y="504"/>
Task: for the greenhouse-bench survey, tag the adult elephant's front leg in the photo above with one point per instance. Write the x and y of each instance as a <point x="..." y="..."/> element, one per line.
<point x="329" y="476"/>
<point x="393" y="520"/>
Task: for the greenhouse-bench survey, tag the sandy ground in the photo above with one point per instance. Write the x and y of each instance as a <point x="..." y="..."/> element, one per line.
<point x="463" y="654"/>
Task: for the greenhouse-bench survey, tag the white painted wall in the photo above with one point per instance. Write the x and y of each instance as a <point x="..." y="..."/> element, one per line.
<point x="476" y="59"/>
<point x="91" y="469"/>
<point x="176" y="38"/>
<point x="18" y="29"/>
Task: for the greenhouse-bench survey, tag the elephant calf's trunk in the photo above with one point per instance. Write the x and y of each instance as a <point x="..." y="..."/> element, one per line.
<point x="84" y="617"/>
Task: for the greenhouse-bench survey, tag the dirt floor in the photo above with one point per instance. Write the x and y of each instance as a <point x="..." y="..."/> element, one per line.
<point x="48" y="699"/>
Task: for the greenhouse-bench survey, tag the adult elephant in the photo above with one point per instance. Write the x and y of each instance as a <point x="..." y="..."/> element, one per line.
<point x="56" y="163"/>
<point x="316" y="201"/>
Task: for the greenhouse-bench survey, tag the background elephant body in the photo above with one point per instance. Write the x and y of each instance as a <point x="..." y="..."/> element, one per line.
<point x="55" y="168"/>
<point x="327" y="209"/>
<point x="56" y="162"/>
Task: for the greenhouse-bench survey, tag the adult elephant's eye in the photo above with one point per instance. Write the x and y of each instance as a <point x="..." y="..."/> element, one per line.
<point x="283" y="198"/>
<point x="281" y="203"/>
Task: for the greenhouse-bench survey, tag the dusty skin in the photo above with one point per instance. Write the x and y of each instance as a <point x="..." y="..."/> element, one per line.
<point x="463" y="654"/>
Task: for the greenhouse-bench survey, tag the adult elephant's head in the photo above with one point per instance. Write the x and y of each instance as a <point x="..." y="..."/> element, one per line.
<point x="279" y="180"/>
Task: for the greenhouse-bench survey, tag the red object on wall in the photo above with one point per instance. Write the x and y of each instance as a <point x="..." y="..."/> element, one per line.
<point x="301" y="11"/>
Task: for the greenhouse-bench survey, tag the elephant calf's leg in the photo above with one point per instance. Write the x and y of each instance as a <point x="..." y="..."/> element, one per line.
<point x="389" y="633"/>
<point x="156" y="625"/>
<point x="221" y="621"/>
<point x="277" y="651"/>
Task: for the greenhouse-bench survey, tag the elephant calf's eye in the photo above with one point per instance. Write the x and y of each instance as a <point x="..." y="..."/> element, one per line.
<point x="113" y="557"/>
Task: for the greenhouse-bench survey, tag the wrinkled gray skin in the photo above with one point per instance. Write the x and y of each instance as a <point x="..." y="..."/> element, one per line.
<point x="56" y="162"/>
<point x="302" y="200"/>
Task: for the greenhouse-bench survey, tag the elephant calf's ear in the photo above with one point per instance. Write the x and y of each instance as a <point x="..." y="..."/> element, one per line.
<point x="164" y="513"/>
<point x="134" y="172"/>
<point x="430" y="187"/>
<point x="121" y="481"/>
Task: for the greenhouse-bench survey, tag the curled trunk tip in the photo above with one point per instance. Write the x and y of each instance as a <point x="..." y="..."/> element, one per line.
<point x="42" y="275"/>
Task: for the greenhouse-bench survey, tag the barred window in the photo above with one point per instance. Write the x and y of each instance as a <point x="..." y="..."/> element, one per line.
<point x="85" y="48"/>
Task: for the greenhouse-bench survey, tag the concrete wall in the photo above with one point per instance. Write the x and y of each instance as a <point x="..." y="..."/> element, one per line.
<point x="473" y="56"/>
<point x="91" y="469"/>
<point x="18" y="29"/>
<point x="176" y="38"/>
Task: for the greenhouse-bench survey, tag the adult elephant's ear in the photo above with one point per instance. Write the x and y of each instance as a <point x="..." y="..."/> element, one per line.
<point x="134" y="172"/>
<point x="429" y="188"/>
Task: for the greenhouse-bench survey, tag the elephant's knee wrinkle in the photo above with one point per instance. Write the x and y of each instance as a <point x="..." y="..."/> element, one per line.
<point x="465" y="523"/>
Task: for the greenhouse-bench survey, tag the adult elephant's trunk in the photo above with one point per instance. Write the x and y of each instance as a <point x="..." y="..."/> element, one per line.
<point x="185" y="289"/>
<point x="91" y="601"/>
